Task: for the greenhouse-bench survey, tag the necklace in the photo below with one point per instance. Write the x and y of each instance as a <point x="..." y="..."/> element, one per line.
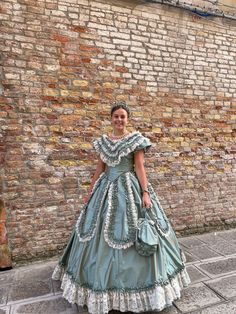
<point x="119" y="137"/>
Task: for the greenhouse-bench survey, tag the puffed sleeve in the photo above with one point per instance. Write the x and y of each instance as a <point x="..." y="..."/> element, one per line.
<point x="97" y="145"/>
<point x="145" y="144"/>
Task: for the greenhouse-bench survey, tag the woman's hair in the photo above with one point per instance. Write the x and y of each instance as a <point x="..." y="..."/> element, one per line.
<point x="120" y="105"/>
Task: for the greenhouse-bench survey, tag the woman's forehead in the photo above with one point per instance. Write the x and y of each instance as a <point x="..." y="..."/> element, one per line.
<point x="120" y="111"/>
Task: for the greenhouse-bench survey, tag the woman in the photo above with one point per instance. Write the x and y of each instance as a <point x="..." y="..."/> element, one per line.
<point x="100" y="266"/>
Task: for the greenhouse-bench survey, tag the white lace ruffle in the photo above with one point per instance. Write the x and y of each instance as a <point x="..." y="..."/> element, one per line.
<point x="108" y="240"/>
<point x="108" y="221"/>
<point x="89" y="236"/>
<point x="156" y="298"/>
<point x="109" y="150"/>
<point x="131" y="198"/>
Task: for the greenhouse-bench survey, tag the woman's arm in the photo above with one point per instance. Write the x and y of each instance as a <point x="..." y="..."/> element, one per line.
<point x="99" y="169"/>
<point x="142" y="177"/>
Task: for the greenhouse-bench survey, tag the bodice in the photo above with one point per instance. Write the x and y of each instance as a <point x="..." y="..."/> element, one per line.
<point x="126" y="164"/>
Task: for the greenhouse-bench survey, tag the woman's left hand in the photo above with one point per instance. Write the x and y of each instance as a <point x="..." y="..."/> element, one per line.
<point x="146" y="200"/>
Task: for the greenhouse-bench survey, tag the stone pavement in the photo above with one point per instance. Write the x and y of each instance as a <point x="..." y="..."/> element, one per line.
<point x="211" y="263"/>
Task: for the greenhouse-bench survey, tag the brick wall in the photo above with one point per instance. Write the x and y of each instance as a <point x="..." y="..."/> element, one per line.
<point x="64" y="62"/>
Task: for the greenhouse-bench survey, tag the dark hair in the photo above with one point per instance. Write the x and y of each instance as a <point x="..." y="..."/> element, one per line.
<point x="120" y="105"/>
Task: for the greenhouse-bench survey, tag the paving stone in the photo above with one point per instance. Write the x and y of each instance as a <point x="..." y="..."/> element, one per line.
<point x="190" y="258"/>
<point x="224" y="248"/>
<point x="3" y="295"/>
<point x="169" y="310"/>
<point x="56" y="284"/>
<point x="7" y="277"/>
<point x="195" y="274"/>
<point x="227" y="308"/>
<point x="226" y="286"/>
<point x="29" y="290"/>
<point x="211" y="238"/>
<point x="229" y="235"/>
<point x="220" y="266"/>
<point x="203" y="252"/>
<point x="55" y="306"/>
<point x="190" y="242"/>
<point x="195" y="297"/>
<point x="39" y="273"/>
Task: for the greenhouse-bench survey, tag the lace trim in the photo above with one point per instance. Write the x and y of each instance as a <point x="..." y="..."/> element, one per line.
<point x="165" y="232"/>
<point x="157" y="297"/>
<point x="131" y="211"/>
<point x="87" y="236"/>
<point x="113" y="144"/>
<point x="111" y="152"/>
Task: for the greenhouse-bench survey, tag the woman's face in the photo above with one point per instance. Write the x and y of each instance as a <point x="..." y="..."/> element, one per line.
<point x="119" y="120"/>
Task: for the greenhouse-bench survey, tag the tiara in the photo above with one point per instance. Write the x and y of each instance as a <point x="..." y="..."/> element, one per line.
<point x="120" y="103"/>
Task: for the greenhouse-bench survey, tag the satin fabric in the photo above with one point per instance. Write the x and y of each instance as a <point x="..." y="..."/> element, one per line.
<point x="96" y="265"/>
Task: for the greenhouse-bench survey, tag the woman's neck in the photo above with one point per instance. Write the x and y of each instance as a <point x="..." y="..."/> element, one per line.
<point x="119" y="133"/>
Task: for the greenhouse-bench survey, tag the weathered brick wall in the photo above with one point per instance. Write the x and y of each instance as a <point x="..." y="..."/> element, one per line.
<point x="64" y="62"/>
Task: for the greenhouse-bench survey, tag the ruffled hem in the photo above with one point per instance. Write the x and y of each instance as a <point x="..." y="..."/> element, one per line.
<point x="101" y="302"/>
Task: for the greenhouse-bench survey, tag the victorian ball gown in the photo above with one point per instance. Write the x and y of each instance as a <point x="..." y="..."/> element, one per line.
<point x="100" y="266"/>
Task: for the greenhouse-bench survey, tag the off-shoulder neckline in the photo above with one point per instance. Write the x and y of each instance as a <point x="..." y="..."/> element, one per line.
<point x="121" y="139"/>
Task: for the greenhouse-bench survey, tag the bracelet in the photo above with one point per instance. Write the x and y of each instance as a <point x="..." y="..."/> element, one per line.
<point x="145" y="190"/>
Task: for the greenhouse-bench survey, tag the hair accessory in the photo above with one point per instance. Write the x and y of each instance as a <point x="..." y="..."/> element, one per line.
<point x="118" y="105"/>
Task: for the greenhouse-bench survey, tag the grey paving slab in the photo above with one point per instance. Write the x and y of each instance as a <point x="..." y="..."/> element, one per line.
<point x="229" y="235"/>
<point x="190" y="242"/>
<point x="223" y="308"/>
<point x="211" y="238"/>
<point x="39" y="273"/>
<point x="203" y="252"/>
<point x="195" y="297"/>
<point x="56" y="284"/>
<point x="5" y="310"/>
<point x="54" y="306"/>
<point x="3" y="295"/>
<point x="225" y="286"/>
<point x="219" y="267"/>
<point x="24" y="290"/>
<point x="7" y="277"/>
<point x="195" y="274"/>
<point x="169" y="310"/>
<point x="190" y="258"/>
<point x="224" y="248"/>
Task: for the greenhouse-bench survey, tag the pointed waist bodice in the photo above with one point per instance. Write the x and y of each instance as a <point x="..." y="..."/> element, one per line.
<point x="126" y="165"/>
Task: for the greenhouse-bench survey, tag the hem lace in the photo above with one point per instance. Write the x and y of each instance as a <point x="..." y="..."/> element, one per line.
<point x="155" y="298"/>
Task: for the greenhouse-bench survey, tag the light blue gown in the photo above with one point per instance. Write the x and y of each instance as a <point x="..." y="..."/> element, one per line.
<point x="100" y="266"/>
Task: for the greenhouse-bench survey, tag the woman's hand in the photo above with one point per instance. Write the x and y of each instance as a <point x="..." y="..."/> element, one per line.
<point x="146" y="200"/>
